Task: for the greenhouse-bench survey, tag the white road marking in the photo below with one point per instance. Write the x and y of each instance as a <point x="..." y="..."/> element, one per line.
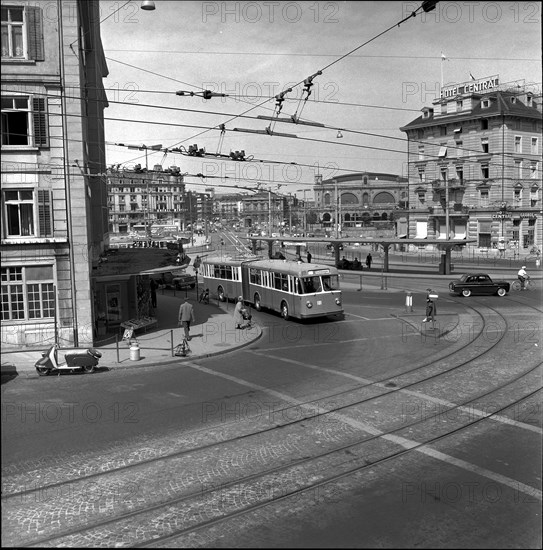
<point x="423" y="396"/>
<point x="403" y="442"/>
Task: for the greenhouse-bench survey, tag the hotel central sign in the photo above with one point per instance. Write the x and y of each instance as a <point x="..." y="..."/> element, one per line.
<point x="482" y="85"/>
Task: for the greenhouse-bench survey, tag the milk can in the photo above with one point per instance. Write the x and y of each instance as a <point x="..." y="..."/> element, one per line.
<point x="134" y="351"/>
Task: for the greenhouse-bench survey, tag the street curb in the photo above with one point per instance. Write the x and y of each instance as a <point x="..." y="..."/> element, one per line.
<point x="175" y="360"/>
<point x="171" y="361"/>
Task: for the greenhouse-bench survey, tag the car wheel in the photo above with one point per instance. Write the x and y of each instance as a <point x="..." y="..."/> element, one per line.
<point x="502" y="291"/>
<point x="88" y="369"/>
<point x="43" y="371"/>
<point x="284" y="310"/>
<point x="466" y="292"/>
<point x="220" y="294"/>
<point x="258" y="305"/>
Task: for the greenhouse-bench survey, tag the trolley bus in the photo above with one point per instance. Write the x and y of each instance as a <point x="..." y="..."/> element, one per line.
<point x="294" y="289"/>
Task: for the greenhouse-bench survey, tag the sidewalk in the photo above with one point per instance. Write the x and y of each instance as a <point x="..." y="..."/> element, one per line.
<point x="212" y="333"/>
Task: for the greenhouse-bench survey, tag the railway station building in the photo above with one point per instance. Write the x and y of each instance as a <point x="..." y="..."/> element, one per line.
<point x="362" y="201"/>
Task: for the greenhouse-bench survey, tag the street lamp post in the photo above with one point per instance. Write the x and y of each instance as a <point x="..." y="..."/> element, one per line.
<point x="304" y="220"/>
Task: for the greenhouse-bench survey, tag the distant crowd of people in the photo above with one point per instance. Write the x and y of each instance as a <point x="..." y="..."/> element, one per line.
<point x="355" y="264"/>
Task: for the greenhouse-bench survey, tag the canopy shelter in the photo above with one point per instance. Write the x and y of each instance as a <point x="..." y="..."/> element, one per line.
<point x="444" y="245"/>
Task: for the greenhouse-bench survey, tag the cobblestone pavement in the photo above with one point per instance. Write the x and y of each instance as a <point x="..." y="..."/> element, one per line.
<point x="138" y="493"/>
<point x="155" y="486"/>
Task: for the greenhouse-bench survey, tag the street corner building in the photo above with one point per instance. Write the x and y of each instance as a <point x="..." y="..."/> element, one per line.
<point x="475" y="165"/>
<point x="54" y="201"/>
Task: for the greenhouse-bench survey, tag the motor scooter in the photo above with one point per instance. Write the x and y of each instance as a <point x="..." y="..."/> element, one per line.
<point x="85" y="359"/>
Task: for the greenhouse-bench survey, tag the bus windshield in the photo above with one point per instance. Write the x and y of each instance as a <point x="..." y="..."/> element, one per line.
<point x="319" y="284"/>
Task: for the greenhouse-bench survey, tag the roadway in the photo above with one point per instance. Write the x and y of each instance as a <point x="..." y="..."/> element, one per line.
<point x="366" y="431"/>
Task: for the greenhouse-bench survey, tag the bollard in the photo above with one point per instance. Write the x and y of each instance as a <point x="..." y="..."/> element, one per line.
<point x="408" y="301"/>
<point x="134" y="351"/>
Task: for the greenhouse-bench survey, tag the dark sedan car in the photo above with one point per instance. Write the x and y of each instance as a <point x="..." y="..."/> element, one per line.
<point x="176" y="280"/>
<point x="478" y="283"/>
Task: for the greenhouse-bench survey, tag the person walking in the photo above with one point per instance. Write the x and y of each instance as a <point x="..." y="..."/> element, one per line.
<point x="369" y="259"/>
<point x="522" y="276"/>
<point x="309" y="257"/>
<point x="430" y="307"/>
<point x="186" y="316"/>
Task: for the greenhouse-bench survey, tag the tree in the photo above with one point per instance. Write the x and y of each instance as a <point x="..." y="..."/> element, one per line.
<point x="311" y="217"/>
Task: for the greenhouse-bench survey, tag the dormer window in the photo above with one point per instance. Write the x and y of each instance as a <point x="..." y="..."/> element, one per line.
<point x="485" y="103"/>
<point x="427" y="112"/>
<point x="513" y="99"/>
<point x="529" y="99"/>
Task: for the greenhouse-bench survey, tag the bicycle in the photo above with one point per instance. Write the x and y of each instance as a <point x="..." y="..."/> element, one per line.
<point x="528" y="285"/>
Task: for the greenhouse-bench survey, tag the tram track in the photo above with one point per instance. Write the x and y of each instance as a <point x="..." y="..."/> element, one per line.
<point x="389" y="384"/>
<point x="299" y="462"/>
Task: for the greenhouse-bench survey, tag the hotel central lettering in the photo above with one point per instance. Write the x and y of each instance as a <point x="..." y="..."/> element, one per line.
<point x="482" y="85"/>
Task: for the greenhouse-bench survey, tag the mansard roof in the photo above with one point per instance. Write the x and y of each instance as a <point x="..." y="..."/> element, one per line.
<point x="372" y="176"/>
<point x="500" y="104"/>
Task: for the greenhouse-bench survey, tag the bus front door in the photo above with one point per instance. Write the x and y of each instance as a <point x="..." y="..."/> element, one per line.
<point x="245" y="291"/>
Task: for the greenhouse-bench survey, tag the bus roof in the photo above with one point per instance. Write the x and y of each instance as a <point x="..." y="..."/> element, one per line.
<point x="292" y="267"/>
<point x="224" y="259"/>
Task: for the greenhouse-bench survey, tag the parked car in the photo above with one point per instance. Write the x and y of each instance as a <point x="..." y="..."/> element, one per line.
<point x="176" y="280"/>
<point x="478" y="283"/>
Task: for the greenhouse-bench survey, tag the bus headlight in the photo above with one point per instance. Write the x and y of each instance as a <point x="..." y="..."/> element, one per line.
<point x="338" y="301"/>
<point x="309" y="304"/>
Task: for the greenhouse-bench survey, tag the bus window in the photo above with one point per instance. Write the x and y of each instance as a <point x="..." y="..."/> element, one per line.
<point x="280" y="281"/>
<point x="330" y="282"/>
<point x="255" y="276"/>
<point x="311" y="284"/>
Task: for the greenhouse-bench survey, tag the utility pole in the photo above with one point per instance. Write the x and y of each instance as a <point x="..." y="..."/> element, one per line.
<point x="337" y="209"/>
<point x="269" y="213"/>
<point x="447" y="207"/>
<point x="147" y="212"/>
<point x="304" y="224"/>
<point x="290" y="203"/>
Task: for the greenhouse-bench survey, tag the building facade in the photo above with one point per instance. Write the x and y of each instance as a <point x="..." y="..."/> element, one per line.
<point x="139" y="199"/>
<point x="475" y="166"/>
<point x="359" y="200"/>
<point x="265" y="208"/>
<point x="228" y="207"/>
<point x="54" y="207"/>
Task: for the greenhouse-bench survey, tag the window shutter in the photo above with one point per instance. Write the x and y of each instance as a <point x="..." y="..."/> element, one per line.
<point x="45" y="213"/>
<point x="485" y="227"/>
<point x="41" y="134"/>
<point x="34" y="25"/>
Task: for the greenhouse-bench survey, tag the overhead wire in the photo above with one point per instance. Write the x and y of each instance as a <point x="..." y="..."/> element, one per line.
<point x="344" y="144"/>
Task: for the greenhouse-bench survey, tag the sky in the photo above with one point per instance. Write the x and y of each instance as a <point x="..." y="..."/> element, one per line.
<point x="252" y="51"/>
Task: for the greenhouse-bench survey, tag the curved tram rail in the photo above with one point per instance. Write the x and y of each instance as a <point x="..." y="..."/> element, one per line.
<point x="186" y="511"/>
